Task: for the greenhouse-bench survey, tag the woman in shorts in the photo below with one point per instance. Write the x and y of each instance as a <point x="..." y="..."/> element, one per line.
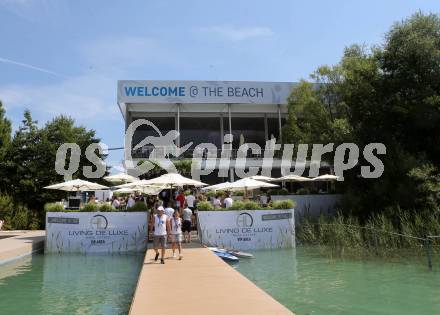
<point x="176" y="233"/>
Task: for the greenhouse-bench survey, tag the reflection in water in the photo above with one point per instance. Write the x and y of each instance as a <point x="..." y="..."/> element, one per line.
<point x="309" y="283"/>
<point x="71" y="284"/>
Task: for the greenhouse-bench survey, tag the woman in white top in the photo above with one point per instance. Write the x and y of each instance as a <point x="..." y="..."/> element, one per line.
<point x="176" y="233"/>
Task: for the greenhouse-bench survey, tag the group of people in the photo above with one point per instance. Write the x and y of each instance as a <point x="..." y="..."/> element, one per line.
<point x="171" y="225"/>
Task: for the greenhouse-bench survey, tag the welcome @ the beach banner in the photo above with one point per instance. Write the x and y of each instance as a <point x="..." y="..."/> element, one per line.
<point x="99" y="232"/>
<point x="248" y="229"/>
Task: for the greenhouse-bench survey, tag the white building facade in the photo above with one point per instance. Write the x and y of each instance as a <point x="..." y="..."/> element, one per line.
<point x="204" y="111"/>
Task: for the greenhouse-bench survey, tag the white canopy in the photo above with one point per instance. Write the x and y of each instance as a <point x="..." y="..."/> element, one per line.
<point x="249" y="184"/>
<point x="293" y="178"/>
<point x="77" y="185"/>
<point x="262" y="178"/>
<point x="326" y="177"/>
<point x="125" y="190"/>
<point x="221" y="186"/>
<point x="121" y="178"/>
<point x="174" y="179"/>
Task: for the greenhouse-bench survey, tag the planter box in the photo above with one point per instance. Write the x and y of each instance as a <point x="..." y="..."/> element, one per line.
<point x="96" y="232"/>
<point x="312" y="205"/>
<point x="248" y="229"/>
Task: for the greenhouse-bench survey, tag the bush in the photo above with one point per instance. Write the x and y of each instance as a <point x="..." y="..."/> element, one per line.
<point x="281" y="191"/>
<point x="90" y="207"/>
<point x="239" y="193"/>
<point x="303" y="191"/>
<point x="210" y="193"/>
<point x="53" y="207"/>
<point x="138" y="207"/>
<point x="205" y="206"/>
<point x="105" y="207"/>
<point x="246" y="205"/>
<point x="17" y="216"/>
<point x="283" y="204"/>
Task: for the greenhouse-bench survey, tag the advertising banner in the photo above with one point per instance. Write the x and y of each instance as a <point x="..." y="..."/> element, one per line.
<point x="96" y="232"/>
<point x="203" y="92"/>
<point x="248" y="229"/>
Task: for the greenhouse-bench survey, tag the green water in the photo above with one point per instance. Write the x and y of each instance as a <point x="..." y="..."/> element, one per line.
<point x="69" y="284"/>
<point x="308" y="282"/>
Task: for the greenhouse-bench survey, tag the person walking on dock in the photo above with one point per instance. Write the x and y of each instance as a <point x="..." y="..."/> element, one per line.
<point x="187" y="224"/>
<point x="161" y="229"/>
<point x="176" y="234"/>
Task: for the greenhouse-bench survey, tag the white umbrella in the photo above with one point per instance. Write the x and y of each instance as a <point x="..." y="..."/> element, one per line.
<point x="125" y="190"/>
<point x="121" y="178"/>
<point x="262" y="178"/>
<point x="174" y="179"/>
<point x="249" y="184"/>
<point x="77" y="185"/>
<point x="293" y="178"/>
<point x="221" y="186"/>
<point x="143" y="186"/>
<point x="325" y="178"/>
<point x="141" y="182"/>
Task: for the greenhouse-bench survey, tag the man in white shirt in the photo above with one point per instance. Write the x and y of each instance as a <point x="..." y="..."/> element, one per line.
<point x="187" y="224"/>
<point x="228" y="201"/>
<point x="130" y="202"/>
<point x="169" y="212"/>
<point x="190" y="201"/>
<point x="161" y="230"/>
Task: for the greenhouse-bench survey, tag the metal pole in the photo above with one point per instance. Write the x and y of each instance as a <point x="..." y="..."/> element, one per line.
<point x="230" y="120"/>
<point x="279" y="124"/>
<point x="178" y="124"/>
<point x="428" y="252"/>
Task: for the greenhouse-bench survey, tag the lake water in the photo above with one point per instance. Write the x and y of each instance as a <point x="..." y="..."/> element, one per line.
<point x="308" y="282"/>
<point x="69" y="284"/>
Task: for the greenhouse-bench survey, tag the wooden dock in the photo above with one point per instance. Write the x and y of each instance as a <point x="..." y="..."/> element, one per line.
<point x="201" y="283"/>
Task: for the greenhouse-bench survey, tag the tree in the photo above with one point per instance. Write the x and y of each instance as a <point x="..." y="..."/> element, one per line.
<point x="5" y="129"/>
<point x="388" y="94"/>
<point x="29" y="163"/>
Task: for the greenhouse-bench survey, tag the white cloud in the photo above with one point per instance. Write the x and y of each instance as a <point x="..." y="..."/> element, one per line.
<point x="28" y="66"/>
<point x="238" y="33"/>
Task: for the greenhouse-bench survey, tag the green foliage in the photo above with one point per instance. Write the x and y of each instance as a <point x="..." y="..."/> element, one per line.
<point x="379" y="235"/>
<point x="138" y="207"/>
<point x="205" y="206"/>
<point x="388" y="94"/>
<point x="246" y="205"/>
<point x="53" y="207"/>
<point x="105" y="207"/>
<point x="90" y="207"/>
<point x="303" y="191"/>
<point x="283" y="204"/>
<point x="5" y="134"/>
<point x="280" y="191"/>
<point x="17" y="216"/>
<point x="28" y="162"/>
<point x="238" y="193"/>
<point x="211" y="193"/>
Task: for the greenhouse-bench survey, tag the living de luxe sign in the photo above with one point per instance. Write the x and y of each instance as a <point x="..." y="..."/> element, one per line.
<point x="204" y="92"/>
<point x="248" y="229"/>
<point x="104" y="232"/>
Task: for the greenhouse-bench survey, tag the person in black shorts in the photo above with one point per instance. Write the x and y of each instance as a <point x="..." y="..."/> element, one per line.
<point x="186" y="225"/>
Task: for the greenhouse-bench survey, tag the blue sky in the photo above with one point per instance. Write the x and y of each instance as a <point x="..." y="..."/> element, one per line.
<point x="64" y="57"/>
